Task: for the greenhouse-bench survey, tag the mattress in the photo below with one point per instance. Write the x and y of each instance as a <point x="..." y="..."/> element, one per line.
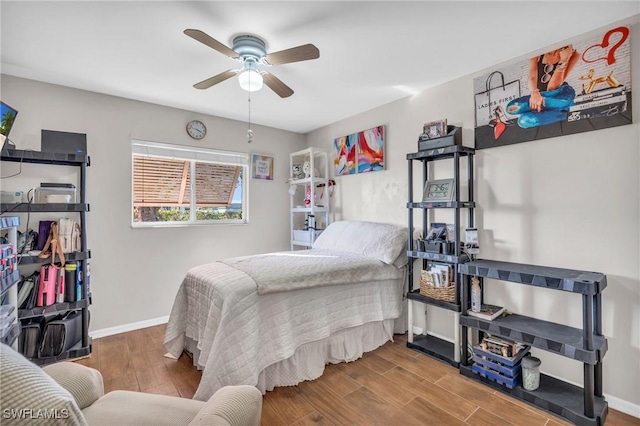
<point x="238" y="333"/>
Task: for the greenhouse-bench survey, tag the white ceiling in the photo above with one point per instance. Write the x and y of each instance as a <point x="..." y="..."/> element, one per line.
<point x="371" y="53"/>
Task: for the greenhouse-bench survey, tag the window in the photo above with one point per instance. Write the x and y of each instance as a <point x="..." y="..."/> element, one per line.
<point x="166" y="192"/>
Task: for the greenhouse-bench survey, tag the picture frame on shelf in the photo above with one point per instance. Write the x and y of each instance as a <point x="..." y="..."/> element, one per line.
<point x="262" y="166"/>
<point x="435" y="129"/>
<point x="441" y="190"/>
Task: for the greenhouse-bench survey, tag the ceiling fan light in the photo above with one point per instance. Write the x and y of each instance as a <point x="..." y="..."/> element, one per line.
<point x="250" y="80"/>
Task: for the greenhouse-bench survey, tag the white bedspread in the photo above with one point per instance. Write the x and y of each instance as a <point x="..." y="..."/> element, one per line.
<point x="292" y="270"/>
<point x="240" y="332"/>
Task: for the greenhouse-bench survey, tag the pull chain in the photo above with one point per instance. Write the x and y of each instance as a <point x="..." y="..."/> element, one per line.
<point x="249" y="132"/>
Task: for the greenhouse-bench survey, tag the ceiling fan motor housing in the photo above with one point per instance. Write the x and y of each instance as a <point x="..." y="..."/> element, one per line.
<point x="250" y="48"/>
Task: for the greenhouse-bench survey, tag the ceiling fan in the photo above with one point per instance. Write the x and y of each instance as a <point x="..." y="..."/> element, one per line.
<point x="251" y="52"/>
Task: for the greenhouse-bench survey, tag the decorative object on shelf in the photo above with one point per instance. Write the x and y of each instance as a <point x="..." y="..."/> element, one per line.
<point x="442" y="190"/>
<point x="296" y="172"/>
<point x="472" y="245"/>
<point x="307" y="196"/>
<point x="306" y="169"/>
<point x="360" y="152"/>
<point x="531" y="373"/>
<point x="428" y="288"/>
<point x="434" y="129"/>
<point x="196" y="129"/>
<point x="484" y="311"/>
<point x="453" y="136"/>
<point x="557" y="92"/>
<point x="262" y="167"/>
<point x="476" y="295"/>
<point x="8" y="117"/>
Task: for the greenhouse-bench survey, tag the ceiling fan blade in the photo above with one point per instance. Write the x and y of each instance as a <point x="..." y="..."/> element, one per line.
<point x="275" y="84"/>
<point x="211" y="42"/>
<point x="205" y="84"/>
<point x="295" y="54"/>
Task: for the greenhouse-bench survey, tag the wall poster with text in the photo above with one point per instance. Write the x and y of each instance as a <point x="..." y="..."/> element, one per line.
<point x="579" y="87"/>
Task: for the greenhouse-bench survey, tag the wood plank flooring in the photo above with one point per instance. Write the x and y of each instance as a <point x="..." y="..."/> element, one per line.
<point x="392" y="385"/>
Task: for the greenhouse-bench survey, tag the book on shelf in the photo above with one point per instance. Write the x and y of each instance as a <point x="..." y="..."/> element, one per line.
<point x="487" y="312"/>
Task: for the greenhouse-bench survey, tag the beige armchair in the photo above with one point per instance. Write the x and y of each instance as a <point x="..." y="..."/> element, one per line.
<point x="67" y="393"/>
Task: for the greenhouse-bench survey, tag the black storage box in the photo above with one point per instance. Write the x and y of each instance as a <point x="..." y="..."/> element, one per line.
<point x="443" y="247"/>
<point x="453" y="137"/>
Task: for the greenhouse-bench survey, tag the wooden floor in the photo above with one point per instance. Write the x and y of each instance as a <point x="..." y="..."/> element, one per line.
<point x="392" y="385"/>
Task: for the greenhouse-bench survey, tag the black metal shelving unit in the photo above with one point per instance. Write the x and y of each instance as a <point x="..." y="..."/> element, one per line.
<point x="429" y="344"/>
<point x="582" y="406"/>
<point x="81" y="161"/>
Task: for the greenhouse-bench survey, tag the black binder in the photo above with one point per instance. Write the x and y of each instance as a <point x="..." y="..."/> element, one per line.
<point x="28" y="291"/>
<point x="61" y="334"/>
<point x="29" y="340"/>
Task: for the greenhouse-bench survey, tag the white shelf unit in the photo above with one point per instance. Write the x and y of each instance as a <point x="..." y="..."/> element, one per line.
<point x="308" y="219"/>
<point x="10" y="287"/>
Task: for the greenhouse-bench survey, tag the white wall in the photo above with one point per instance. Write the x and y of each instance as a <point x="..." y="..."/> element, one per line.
<point x="570" y="202"/>
<point x="135" y="273"/>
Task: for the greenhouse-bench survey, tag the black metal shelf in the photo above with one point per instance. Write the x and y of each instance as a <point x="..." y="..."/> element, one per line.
<point x="443" y="205"/>
<point x="554" y="396"/>
<point x="540" y="276"/>
<point x="38" y="157"/>
<point x="434" y="347"/>
<point x="81" y="162"/>
<point x="449" y="258"/>
<point x="430" y="345"/>
<point x="586" y="344"/>
<point x="441" y="153"/>
<point x="552" y="337"/>
<point x="43" y="208"/>
<point x="78" y="351"/>
<point x="415" y="295"/>
<point x="56" y="308"/>
<point x="69" y="257"/>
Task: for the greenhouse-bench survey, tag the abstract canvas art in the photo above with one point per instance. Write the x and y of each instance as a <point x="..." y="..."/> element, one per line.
<point x="360" y="152"/>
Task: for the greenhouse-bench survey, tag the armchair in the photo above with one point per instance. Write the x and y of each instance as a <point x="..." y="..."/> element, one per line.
<point x="67" y="393"/>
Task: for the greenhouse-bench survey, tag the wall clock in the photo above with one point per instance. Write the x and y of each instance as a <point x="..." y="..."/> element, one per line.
<point x="196" y="129"/>
<point x="439" y="190"/>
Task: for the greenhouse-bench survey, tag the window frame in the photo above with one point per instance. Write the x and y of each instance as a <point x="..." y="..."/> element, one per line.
<point x="193" y="155"/>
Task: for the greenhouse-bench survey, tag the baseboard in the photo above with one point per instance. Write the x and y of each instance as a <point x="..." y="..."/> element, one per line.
<point x="615" y="403"/>
<point x="104" y="332"/>
<point x="623" y="406"/>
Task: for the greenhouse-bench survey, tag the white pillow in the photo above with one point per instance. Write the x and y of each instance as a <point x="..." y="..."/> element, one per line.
<point x="381" y="241"/>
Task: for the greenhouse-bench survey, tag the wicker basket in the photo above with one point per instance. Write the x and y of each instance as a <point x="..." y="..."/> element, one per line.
<point x="448" y="294"/>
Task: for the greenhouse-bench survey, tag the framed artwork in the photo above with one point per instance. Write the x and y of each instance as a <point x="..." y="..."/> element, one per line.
<point x="261" y="167"/>
<point x="577" y="87"/>
<point x="442" y="190"/>
<point x="344" y="161"/>
<point x="360" y="152"/>
<point x="435" y="129"/>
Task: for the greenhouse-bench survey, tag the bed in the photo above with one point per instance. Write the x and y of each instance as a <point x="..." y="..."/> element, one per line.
<point x="277" y="319"/>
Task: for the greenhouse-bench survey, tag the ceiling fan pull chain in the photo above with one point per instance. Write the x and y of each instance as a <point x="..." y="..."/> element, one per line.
<point x="249" y="132"/>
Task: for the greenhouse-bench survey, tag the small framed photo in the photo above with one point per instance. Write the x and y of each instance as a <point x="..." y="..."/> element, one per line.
<point x="442" y="190"/>
<point x="435" y="129"/>
<point x="261" y="167"/>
